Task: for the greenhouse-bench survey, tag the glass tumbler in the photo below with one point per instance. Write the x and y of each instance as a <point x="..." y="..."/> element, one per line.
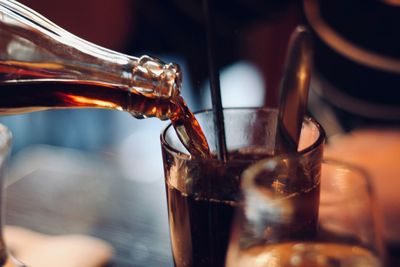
<point x="265" y="227"/>
<point x="6" y="259"/>
<point x="202" y="193"/>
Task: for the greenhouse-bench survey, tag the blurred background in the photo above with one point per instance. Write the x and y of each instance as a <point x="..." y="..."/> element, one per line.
<point x="100" y="172"/>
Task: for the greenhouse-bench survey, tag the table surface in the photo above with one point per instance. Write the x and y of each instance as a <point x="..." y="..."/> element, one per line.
<point x="62" y="197"/>
<point x="82" y="194"/>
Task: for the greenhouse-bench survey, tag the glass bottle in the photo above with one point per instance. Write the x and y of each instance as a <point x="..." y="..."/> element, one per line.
<point x="42" y="66"/>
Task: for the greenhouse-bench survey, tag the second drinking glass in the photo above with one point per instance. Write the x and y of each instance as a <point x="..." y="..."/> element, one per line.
<point x="348" y="232"/>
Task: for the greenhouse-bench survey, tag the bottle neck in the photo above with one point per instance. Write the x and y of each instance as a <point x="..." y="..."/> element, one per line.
<point x="33" y="48"/>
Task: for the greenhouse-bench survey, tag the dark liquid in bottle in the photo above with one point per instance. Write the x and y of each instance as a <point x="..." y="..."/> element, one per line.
<point x="29" y="95"/>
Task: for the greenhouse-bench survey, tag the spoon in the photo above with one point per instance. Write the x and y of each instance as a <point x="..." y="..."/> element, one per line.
<point x="294" y="90"/>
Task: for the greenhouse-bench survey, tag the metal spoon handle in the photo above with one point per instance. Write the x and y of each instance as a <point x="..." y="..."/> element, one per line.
<point x="294" y="89"/>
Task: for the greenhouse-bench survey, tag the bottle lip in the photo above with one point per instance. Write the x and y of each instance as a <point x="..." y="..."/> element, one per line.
<point x="154" y="78"/>
<point x="183" y="156"/>
<point x="173" y="79"/>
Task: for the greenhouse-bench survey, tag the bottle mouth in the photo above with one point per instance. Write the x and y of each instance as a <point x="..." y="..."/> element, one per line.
<point x="156" y="79"/>
<point x="172" y="77"/>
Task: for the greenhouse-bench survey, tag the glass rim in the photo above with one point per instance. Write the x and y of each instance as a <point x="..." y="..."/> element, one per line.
<point x="183" y="156"/>
<point x="353" y="167"/>
<point x="5" y="141"/>
<point x="253" y="170"/>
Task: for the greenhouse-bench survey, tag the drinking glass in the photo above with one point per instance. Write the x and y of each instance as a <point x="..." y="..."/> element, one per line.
<point x="6" y="259"/>
<point x="264" y="233"/>
<point x="202" y="193"/>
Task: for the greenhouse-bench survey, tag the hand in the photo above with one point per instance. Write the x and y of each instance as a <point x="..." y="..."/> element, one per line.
<point x="378" y="152"/>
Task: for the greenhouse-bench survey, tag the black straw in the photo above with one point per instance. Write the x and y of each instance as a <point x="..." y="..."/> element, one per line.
<point x="215" y="86"/>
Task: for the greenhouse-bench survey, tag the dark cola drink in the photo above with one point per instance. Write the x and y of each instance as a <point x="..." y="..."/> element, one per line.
<point x="199" y="229"/>
<point x="200" y="221"/>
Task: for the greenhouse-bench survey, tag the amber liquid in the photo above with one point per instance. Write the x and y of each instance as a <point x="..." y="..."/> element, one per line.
<point x="305" y="254"/>
<point x="29" y="95"/>
<point x="199" y="229"/>
<point x="200" y="221"/>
